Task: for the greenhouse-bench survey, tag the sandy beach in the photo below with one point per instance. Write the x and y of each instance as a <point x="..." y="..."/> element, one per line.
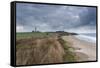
<point x="85" y="51"/>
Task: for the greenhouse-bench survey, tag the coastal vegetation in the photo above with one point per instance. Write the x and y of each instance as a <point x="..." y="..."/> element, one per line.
<point x="42" y="48"/>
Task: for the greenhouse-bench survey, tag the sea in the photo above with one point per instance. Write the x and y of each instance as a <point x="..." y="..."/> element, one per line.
<point x="90" y="37"/>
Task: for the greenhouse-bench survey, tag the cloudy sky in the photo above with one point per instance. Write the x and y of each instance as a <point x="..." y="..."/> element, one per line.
<point x="55" y="18"/>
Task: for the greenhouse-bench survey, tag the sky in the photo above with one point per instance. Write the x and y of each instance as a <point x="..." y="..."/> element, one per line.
<point x="55" y="18"/>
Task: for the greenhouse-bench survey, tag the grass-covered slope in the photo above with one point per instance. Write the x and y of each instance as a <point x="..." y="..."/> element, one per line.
<point x="41" y="49"/>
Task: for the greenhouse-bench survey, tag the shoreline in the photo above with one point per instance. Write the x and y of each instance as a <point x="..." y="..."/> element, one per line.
<point x="86" y="38"/>
<point x="84" y="50"/>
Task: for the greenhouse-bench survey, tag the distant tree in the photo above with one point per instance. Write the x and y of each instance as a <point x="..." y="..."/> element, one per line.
<point x="33" y="31"/>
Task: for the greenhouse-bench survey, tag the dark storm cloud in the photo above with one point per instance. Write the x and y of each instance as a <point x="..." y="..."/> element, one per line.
<point x="53" y="18"/>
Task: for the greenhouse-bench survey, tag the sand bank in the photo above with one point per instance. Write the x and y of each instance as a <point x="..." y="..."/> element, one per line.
<point x="85" y="51"/>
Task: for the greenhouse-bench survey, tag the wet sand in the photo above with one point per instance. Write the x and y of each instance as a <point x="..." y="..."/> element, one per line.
<point x="85" y="51"/>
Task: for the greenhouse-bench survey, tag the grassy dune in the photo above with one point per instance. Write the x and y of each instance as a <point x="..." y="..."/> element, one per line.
<point x="69" y="56"/>
<point x="42" y="50"/>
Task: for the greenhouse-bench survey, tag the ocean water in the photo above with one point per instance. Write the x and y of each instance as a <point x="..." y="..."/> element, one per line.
<point x="90" y="37"/>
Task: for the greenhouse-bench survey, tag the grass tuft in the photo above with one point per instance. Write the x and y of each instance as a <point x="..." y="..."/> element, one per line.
<point x="69" y="55"/>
